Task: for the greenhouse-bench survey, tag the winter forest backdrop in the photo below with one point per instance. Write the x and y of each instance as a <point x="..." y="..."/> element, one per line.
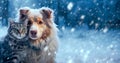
<point x="89" y="29"/>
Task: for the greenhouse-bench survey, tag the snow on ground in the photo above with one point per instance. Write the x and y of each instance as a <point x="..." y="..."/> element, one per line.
<point x="89" y="46"/>
<point x="86" y="46"/>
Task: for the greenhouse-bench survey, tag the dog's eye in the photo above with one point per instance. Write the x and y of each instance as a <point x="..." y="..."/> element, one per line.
<point x="40" y="22"/>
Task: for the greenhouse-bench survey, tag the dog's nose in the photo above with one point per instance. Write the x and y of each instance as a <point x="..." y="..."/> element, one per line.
<point x="33" y="32"/>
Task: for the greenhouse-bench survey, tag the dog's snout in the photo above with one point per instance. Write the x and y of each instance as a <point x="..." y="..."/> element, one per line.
<point x="33" y="32"/>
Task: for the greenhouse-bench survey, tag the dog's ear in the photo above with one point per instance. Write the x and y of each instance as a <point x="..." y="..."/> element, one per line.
<point x="23" y="13"/>
<point x="47" y="13"/>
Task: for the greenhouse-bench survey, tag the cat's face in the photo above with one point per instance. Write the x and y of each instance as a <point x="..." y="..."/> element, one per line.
<point x="17" y="30"/>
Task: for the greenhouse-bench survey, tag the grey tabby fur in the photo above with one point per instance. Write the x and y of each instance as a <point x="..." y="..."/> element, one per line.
<point x="15" y="43"/>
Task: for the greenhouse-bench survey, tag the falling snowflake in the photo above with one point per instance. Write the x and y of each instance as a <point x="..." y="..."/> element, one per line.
<point x="33" y="5"/>
<point x="49" y="53"/>
<point x="98" y="18"/>
<point x="63" y="28"/>
<point x="2" y="1"/>
<point x="111" y="2"/>
<point x="91" y="22"/>
<point x="81" y="50"/>
<point x="96" y="25"/>
<point x="82" y="17"/>
<point x="39" y="4"/>
<point x="79" y="8"/>
<point x="97" y="4"/>
<point x="70" y="61"/>
<point x="110" y="46"/>
<point x="73" y="29"/>
<point x="94" y="1"/>
<point x="70" y="6"/>
<point x="46" y="48"/>
<point x="105" y="29"/>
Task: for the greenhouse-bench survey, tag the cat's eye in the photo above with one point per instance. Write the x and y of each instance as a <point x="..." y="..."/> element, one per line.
<point x="15" y="31"/>
<point x="29" y="22"/>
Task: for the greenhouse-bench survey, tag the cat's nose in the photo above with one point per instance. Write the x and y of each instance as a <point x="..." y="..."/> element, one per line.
<point x="20" y="31"/>
<point x="33" y="32"/>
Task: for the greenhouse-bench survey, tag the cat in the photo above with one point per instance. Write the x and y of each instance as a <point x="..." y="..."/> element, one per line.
<point x="15" y="43"/>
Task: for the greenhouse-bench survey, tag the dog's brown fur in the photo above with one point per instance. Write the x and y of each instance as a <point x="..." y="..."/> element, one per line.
<point x="43" y="48"/>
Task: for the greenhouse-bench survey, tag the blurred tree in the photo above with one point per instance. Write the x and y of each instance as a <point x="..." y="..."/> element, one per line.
<point x="4" y="12"/>
<point x="95" y="14"/>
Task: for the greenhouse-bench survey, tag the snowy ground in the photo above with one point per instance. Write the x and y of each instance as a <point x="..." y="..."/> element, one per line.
<point x="89" y="46"/>
<point x="86" y="46"/>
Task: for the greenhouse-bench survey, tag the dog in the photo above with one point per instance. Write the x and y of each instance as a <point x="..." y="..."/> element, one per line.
<point x="43" y="39"/>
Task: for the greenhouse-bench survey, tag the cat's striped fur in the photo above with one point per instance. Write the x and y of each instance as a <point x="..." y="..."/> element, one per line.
<point x="15" y="43"/>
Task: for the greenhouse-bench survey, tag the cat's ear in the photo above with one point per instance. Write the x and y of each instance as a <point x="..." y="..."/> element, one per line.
<point x="11" y="22"/>
<point x="23" y="12"/>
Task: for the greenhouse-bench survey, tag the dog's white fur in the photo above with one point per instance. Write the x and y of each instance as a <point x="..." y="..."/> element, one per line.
<point x="49" y="52"/>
